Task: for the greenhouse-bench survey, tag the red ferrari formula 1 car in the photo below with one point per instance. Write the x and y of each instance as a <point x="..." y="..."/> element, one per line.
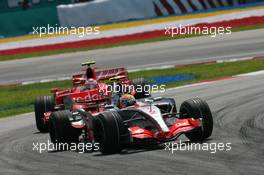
<point x="87" y="93"/>
<point x="154" y="120"/>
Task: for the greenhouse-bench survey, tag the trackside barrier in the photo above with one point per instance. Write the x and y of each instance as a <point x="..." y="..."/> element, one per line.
<point x="112" y="11"/>
<point x="21" y="22"/>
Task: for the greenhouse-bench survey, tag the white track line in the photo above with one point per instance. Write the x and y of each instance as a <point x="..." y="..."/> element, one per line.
<point x="157" y="68"/>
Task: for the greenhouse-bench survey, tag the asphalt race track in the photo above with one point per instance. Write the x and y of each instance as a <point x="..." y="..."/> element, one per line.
<point x="238" y="112"/>
<point x="206" y="48"/>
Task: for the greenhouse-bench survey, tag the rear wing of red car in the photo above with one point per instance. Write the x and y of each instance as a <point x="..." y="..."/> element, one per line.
<point x="110" y="73"/>
<point x="105" y="74"/>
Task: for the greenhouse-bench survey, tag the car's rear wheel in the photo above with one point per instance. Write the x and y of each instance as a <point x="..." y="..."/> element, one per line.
<point x="111" y="132"/>
<point x="198" y="109"/>
<point x="43" y="104"/>
<point x="142" y="88"/>
<point x="60" y="128"/>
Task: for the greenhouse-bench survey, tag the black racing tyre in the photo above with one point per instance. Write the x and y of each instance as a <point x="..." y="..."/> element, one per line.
<point x="111" y="132"/>
<point x="43" y="104"/>
<point x="142" y="88"/>
<point x="198" y="108"/>
<point x="60" y="129"/>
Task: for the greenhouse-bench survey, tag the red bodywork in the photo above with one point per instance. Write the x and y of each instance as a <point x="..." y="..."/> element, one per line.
<point x="163" y="131"/>
<point x="89" y="100"/>
<point x="100" y="75"/>
<point x="180" y="126"/>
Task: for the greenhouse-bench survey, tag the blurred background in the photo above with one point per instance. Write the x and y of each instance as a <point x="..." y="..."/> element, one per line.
<point x="226" y="70"/>
<point x="19" y="16"/>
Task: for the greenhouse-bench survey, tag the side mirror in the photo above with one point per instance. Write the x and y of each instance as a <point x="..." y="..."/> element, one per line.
<point x="78" y="81"/>
<point x="54" y="90"/>
<point x="148" y="100"/>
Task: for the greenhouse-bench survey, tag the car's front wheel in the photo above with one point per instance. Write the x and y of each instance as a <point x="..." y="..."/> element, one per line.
<point x="111" y="132"/>
<point x="198" y="109"/>
<point x="43" y="104"/>
<point x="60" y="128"/>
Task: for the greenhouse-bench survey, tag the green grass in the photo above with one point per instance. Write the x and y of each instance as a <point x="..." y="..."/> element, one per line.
<point x="19" y="99"/>
<point x="47" y="53"/>
<point x="206" y="71"/>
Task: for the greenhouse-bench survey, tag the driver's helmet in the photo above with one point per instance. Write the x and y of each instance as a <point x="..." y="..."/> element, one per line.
<point x="90" y="84"/>
<point x="127" y="100"/>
